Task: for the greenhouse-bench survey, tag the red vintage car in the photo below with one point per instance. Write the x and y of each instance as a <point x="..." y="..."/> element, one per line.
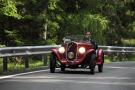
<point x="77" y="52"/>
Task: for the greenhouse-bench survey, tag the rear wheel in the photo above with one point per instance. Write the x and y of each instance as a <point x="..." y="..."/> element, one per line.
<point x="100" y="67"/>
<point x="52" y="63"/>
<point x="92" y="64"/>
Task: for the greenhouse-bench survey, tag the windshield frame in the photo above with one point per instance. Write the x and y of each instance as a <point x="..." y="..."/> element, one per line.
<point x="76" y="38"/>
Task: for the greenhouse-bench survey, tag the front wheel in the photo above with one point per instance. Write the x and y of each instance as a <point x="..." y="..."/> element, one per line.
<point x="92" y="64"/>
<point x="92" y="69"/>
<point x="63" y="68"/>
<point x="52" y="63"/>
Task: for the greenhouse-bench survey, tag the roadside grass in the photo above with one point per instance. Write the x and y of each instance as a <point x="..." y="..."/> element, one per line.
<point x="107" y="60"/>
<point x="36" y="64"/>
<point x="119" y="58"/>
<point x="15" y="67"/>
<point x="132" y="57"/>
<point x="12" y="67"/>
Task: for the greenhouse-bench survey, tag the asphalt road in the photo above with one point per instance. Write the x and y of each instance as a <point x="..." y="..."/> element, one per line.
<point x="116" y="76"/>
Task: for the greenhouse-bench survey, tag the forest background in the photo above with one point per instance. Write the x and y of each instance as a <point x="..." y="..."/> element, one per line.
<point x="45" y="22"/>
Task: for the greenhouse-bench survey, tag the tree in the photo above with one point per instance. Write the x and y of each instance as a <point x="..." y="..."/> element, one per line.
<point x="39" y="22"/>
<point x="8" y="17"/>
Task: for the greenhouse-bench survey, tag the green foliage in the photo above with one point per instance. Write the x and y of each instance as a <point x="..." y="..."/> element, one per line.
<point x="82" y="23"/>
<point x="51" y="41"/>
<point x="2" y="46"/>
<point x="96" y="24"/>
<point x="8" y="7"/>
<point x="36" y="22"/>
<point x="52" y="5"/>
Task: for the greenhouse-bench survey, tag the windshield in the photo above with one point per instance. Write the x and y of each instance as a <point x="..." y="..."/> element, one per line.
<point x="77" y="38"/>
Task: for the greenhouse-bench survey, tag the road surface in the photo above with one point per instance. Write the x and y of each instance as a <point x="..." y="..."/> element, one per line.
<point x="116" y="76"/>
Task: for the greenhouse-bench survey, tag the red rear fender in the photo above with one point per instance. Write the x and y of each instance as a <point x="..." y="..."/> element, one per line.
<point x="100" y="56"/>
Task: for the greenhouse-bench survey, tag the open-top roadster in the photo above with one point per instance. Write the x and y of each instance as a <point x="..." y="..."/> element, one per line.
<point x="77" y="52"/>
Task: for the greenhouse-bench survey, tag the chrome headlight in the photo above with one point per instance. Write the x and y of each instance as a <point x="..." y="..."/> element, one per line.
<point x="82" y="50"/>
<point x="61" y="50"/>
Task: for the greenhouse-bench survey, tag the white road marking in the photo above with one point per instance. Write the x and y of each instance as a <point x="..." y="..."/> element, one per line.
<point x="9" y="76"/>
<point x="67" y="77"/>
<point x="53" y="81"/>
<point x="116" y="67"/>
<point x="110" y="83"/>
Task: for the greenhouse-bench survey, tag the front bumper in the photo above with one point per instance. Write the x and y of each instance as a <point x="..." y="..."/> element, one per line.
<point x="68" y="62"/>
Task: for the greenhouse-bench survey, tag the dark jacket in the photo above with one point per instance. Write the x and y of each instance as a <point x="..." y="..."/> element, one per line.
<point x="95" y="46"/>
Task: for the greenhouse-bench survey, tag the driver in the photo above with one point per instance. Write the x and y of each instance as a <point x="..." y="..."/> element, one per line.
<point x="87" y="37"/>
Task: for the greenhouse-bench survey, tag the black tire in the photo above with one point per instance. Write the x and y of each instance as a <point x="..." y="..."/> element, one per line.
<point x="100" y="67"/>
<point x="52" y="63"/>
<point x="92" y="69"/>
<point x="63" y="68"/>
<point x="92" y="64"/>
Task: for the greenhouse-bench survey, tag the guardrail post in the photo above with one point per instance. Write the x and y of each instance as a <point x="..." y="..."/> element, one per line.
<point x="5" y="64"/>
<point x="26" y="62"/>
<point x="44" y="59"/>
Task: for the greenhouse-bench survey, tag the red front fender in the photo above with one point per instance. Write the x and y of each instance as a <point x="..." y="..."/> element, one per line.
<point x="55" y="51"/>
<point x="100" y="56"/>
<point x="83" y="56"/>
<point x="90" y="51"/>
<point x="59" y="56"/>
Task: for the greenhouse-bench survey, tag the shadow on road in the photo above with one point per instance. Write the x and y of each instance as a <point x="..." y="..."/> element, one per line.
<point x="80" y="72"/>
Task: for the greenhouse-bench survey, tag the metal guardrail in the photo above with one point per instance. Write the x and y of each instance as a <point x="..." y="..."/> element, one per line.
<point x="25" y="51"/>
<point x="118" y="49"/>
<point x="37" y="50"/>
<point x="43" y="50"/>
